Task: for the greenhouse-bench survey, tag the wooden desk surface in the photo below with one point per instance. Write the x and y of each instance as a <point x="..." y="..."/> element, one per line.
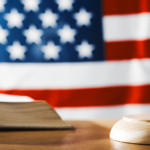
<point x="89" y="135"/>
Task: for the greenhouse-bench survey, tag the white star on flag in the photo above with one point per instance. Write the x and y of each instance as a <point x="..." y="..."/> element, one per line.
<point x="48" y="18"/>
<point x="31" y="5"/>
<point x="3" y="35"/>
<point x="67" y="34"/>
<point x="14" y="19"/>
<point x="85" y="50"/>
<point x="51" y="51"/>
<point x="2" y="3"/>
<point x="33" y="35"/>
<point x="83" y="17"/>
<point x="65" y="4"/>
<point x="16" y="51"/>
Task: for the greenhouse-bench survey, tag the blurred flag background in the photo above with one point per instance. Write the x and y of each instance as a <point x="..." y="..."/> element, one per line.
<point x="88" y="59"/>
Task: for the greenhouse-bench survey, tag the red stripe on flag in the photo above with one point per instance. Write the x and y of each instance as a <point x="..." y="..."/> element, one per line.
<point x="119" y="7"/>
<point x="89" y="97"/>
<point x="123" y="50"/>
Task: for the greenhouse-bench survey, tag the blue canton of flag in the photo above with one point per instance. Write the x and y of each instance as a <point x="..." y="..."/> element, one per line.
<point x="50" y="31"/>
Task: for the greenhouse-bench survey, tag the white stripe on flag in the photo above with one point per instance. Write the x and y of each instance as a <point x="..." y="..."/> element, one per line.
<point x="127" y="27"/>
<point x="109" y="112"/>
<point x="74" y="75"/>
<point x="14" y="98"/>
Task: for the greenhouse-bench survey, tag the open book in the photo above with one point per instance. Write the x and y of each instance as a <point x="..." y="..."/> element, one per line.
<point x="30" y="115"/>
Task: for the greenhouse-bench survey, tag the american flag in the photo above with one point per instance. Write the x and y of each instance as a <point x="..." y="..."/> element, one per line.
<point x="86" y="58"/>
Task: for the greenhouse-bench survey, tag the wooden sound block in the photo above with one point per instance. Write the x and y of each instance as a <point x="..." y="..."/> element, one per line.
<point x="132" y="129"/>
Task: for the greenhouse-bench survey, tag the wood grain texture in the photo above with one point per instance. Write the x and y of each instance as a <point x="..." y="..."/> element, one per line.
<point x="30" y="115"/>
<point x="132" y="129"/>
<point x="89" y="135"/>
